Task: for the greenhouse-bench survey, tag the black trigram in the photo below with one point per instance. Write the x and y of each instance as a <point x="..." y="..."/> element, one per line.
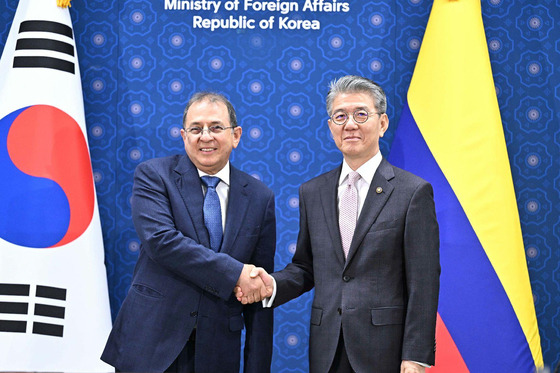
<point x="35" y="45"/>
<point x="21" y="308"/>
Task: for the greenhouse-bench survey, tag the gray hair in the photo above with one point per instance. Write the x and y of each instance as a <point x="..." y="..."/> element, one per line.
<point x="211" y="97"/>
<point x="356" y="84"/>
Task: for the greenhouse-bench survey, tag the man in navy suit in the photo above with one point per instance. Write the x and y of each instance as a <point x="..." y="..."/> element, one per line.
<point x="369" y="244"/>
<point x="180" y="314"/>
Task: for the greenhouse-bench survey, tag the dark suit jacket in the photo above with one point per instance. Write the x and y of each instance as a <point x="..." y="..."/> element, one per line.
<point x="384" y="296"/>
<point x="179" y="282"/>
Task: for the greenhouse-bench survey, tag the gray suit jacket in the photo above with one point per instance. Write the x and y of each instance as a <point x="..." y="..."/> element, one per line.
<point x="384" y="296"/>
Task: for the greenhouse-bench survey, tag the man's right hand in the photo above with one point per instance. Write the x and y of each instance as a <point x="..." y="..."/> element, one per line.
<point x="251" y="286"/>
<point x="257" y="274"/>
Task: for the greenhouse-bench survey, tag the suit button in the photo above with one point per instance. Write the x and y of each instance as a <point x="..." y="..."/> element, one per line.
<point x="194" y="314"/>
<point x="346" y="278"/>
<point x="339" y="311"/>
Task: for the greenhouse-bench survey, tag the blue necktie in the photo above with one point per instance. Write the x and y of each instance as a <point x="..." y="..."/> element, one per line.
<point x="212" y="212"/>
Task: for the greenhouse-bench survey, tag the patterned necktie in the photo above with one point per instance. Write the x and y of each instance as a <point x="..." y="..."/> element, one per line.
<point x="348" y="211"/>
<point x="212" y="212"/>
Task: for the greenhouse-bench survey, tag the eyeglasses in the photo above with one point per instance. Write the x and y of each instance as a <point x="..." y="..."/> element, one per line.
<point x="359" y="116"/>
<point x="215" y="130"/>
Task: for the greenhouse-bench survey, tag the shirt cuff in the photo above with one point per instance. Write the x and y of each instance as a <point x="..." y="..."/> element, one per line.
<point x="267" y="302"/>
<point x="419" y="363"/>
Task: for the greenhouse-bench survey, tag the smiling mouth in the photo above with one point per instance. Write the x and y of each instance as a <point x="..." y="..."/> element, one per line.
<point x="207" y="150"/>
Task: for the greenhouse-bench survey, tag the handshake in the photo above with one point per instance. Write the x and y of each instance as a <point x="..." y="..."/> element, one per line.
<point x="254" y="285"/>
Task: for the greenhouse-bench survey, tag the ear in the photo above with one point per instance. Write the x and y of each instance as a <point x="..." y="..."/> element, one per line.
<point x="331" y="126"/>
<point x="237" y="131"/>
<point x="384" y="123"/>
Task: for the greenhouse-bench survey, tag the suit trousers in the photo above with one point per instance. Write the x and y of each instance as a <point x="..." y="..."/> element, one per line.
<point x="341" y="364"/>
<point x="184" y="363"/>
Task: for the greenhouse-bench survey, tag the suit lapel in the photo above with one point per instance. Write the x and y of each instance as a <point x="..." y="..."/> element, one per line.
<point x="372" y="205"/>
<point x="329" y="201"/>
<point x="189" y="186"/>
<point x="238" y="202"/>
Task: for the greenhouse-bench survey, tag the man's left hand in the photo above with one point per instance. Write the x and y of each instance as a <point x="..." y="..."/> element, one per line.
<point x="411" y="367"/>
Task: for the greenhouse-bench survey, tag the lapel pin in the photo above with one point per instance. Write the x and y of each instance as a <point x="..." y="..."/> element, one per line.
<point x="378" y="190"/>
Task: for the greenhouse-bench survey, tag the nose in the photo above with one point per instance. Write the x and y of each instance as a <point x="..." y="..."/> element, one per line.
<point x="351" y="124"/>
<point x="206" y="134"/>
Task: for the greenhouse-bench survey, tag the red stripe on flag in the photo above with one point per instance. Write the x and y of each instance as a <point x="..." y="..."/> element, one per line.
<point x="448" y="358"/>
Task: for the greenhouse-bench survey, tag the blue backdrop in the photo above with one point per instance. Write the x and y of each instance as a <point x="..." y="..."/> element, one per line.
<point x="141" y="62"/>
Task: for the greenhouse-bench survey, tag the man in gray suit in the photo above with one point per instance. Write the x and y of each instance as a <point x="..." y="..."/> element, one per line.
<point x="369" y="244"/>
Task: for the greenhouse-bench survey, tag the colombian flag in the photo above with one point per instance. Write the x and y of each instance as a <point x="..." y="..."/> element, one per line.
<point x="450" y="133"/>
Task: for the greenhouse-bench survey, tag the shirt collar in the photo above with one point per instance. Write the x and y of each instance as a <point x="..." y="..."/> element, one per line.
<point x="366" y="171"/>
<point x="223" y="174"/>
